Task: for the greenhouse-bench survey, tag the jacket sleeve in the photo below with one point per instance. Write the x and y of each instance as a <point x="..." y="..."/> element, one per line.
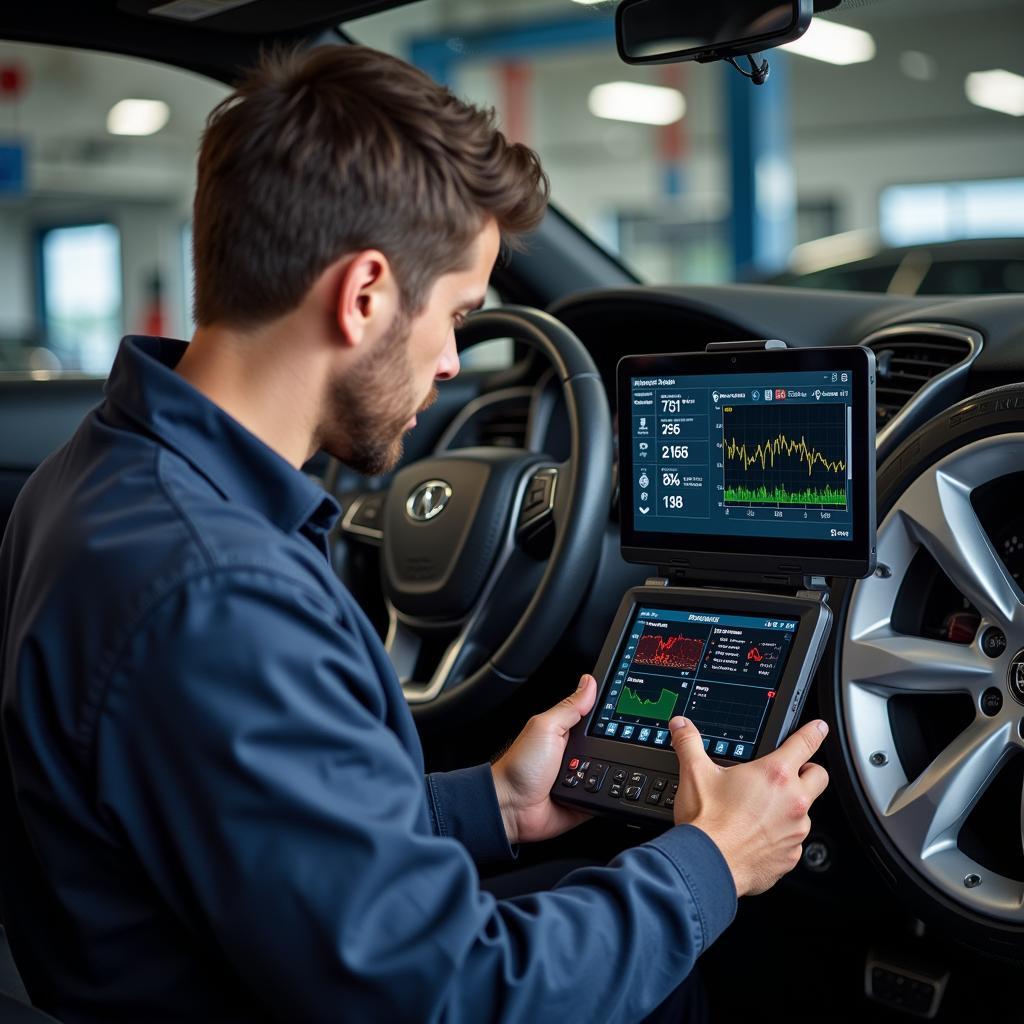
<point x="464" y="805"/>
<point x="241" y="753"/>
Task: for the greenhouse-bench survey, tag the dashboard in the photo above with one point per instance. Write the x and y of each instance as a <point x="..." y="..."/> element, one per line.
<point x="930" y="353"/>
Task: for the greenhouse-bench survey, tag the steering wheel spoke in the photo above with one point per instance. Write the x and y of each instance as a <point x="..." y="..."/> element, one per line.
<point x="406" y="647"/>
<point x="363" y="518"/>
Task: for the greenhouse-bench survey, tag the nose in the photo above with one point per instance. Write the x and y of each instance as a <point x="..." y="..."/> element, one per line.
<point x="448" y="364"/>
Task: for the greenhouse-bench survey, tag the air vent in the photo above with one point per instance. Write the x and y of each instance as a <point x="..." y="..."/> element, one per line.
<point x="909" y="361"/>
<point x="504" y="426"/>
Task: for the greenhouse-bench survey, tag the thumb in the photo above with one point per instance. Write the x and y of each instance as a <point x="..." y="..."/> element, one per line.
<point x="686" y="740"/>
<point x="568" y="712"/>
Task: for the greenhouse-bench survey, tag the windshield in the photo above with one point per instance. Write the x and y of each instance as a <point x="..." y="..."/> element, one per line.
<point x="883" y="139"/>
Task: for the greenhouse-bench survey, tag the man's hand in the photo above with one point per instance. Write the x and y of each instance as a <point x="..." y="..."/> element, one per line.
<point x="524" y="774"/>
<point x="756" y="813"/>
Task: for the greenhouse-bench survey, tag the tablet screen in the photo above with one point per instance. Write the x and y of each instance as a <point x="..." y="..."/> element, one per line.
<point x="719" y="670"/>
<point x="765" y="455"/>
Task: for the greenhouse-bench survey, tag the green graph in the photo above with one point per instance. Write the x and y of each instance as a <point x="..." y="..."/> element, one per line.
<point x="781" y="496"/>
<point x="660" y="709"/>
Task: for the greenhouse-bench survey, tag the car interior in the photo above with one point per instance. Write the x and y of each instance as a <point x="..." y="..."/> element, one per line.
<point x="909" y="899"/>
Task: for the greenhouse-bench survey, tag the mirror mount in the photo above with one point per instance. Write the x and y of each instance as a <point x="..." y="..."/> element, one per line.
<point x="759" y="69"/>
<point x="672" y="31"/>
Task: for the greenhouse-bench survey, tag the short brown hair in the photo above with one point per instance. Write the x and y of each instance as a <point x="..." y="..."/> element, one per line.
<point x="338" y="149"/>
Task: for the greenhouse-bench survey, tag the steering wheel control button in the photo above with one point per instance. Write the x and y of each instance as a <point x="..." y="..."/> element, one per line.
<point x="364" y="516"/>
<point x="574" y="763"/>
<point x="619" y="775"/>
<point x="654" y="797"/>
<point x="570" y="780"/>
<point x="993" y="641"/>
<point x="540" y="497"/>
<point x="1016" y="677"/>
<point x="992" y="701"/>
<point x="428" y="500"/>
<point x="633" y="792"/>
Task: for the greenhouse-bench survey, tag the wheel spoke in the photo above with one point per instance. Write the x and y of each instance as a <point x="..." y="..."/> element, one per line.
<point x="927" y="814"/>
<point x="940" y="516"/>
<point x="891" y="663"/>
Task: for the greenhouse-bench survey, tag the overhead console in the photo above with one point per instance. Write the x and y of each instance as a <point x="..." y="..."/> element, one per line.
<point x="747" y="478"/>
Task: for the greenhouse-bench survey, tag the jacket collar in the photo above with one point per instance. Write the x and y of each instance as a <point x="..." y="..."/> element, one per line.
<point x="144" y="386"/>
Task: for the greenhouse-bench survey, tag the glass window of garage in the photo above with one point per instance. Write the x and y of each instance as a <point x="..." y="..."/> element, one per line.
<point x="97" y="171"/>
<point x="680" y="177"/>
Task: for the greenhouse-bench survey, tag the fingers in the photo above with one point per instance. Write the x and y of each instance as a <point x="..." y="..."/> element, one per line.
<point x="686" y="740"/>
<point x="801" y="746"/>
<point x="814" y="779"/>
<point x="567" y="713"/>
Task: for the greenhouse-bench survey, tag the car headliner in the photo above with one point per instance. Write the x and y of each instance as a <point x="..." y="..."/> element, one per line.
<point x="218" y="45"/>
<point x="214" y="46"/>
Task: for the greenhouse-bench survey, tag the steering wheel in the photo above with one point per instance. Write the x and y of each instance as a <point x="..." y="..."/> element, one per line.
<point x="474" y="606"/>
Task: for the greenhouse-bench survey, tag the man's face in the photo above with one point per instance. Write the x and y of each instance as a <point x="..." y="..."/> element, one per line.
<point x="373" y="404"/>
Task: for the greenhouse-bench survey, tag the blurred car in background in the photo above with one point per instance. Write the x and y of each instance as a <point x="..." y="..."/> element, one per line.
<point x="858" y="262"/>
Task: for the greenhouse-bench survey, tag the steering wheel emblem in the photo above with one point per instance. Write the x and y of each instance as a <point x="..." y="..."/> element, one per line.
<point x="1016" y="677"/>
<point x="428" y="500"/>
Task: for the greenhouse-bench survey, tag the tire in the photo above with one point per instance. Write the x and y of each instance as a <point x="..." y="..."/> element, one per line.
<point x="988" y="419"/>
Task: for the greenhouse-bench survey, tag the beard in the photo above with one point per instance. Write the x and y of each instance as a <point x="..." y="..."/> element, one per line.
<point x="368" y="408"/>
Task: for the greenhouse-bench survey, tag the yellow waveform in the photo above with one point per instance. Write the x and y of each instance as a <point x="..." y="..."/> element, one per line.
<point x="766" y="453"/>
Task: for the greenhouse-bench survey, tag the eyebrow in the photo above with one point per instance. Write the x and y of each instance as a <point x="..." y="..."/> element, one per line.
<point x="470" y="305"/>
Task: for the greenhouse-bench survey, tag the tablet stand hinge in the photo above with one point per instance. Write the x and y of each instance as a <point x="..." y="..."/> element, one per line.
<point x="808" y="587"/>
<point x="815" y="587"/>
<point x="656" y="581"/>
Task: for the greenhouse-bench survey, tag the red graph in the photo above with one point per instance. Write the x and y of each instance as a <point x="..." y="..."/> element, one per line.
<point x="679" y="652"/>
<point x="754" y="655"/>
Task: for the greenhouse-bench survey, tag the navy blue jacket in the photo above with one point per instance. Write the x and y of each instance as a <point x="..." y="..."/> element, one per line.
<point x="214" y="805"/>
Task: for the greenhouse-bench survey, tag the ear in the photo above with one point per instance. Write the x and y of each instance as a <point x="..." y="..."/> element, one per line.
<point x="367" y="297"/>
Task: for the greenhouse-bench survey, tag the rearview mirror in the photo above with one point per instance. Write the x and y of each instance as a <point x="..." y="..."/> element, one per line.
<point x="669" y="31"/>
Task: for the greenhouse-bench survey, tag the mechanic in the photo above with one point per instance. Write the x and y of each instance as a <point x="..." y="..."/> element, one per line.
<point x="216" y="805"/>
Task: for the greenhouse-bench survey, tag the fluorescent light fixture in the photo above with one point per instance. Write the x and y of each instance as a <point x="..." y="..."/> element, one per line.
<point x="996" y="90"/>
<point x="591" y="3"/>
<point x="634" y="101"/>
<point x="834" y="43"/>
<point x="137" y="117"/>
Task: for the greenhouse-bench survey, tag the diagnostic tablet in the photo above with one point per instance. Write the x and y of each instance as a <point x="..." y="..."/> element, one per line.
<point x="738" y="664"/>
<point x="750" y="461"/>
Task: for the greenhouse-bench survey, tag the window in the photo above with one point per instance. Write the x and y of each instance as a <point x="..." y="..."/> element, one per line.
<point x="82" y="301"/>
<point x="909" y="214"/>
<point x="91" y="243"/>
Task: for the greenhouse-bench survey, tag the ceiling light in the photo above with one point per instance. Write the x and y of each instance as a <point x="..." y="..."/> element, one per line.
<point x="834" y="43"/>
<point x="137" y="117"/>
<point x="996" y="90"/>
<point x="634" y="101"/>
